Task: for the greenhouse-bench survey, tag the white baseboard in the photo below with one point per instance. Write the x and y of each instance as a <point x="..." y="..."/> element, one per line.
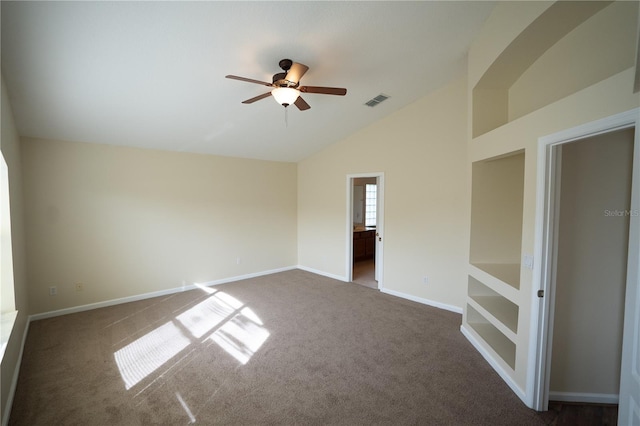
<point x="324" y="274"/>
<point x="135" y="298"/>
<point x="593" y="398"/>
<point x="433" y="303"/>
<point x="387" y="291"/>
<point x="506" y="377"/>
<point x="245" y="276"/>
<point x="6" y="410"/>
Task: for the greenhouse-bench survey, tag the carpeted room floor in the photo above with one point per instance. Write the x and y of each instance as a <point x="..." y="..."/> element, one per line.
<point x="287" y="348"/>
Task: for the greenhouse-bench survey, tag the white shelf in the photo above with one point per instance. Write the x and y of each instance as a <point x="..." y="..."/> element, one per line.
<point x="496" y="284"/>
<point x="502" y="310"/>
<point x="508" y="273"/>
<point x="494" y="338"/>
<point x="492" y="318"/>
<point x="498" y="307"/>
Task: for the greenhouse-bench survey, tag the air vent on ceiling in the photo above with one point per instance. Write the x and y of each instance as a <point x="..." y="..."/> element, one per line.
<point x="375" y="101"/>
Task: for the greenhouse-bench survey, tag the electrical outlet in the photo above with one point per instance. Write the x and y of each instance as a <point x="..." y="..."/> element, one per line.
<point x="79" y="286"/>
<point x="425" y="280"/>
<point x="53" y="290"/>
<point x="238" y="261"/>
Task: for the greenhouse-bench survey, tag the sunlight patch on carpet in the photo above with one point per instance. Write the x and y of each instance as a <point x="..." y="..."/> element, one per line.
<point x="220" y="318"/>
<point x="186" y="408"/>
<point x="241" y="337"/>
<point x="205" y="288"/>
<point x="144" y="356"/>
<point x="206" y="315"/>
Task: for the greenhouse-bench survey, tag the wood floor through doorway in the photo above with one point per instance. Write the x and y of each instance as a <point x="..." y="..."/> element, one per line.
<point x="364" y="273"/>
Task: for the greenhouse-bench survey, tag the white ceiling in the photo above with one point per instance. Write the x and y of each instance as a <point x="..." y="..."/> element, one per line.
<point x="151" y="74"/>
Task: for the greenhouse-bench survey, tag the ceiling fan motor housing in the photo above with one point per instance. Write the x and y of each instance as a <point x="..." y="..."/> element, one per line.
<point x="280" y="80"/>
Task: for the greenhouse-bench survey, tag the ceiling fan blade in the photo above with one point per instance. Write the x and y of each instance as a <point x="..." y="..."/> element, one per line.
<point x="296" y="72"/>
<point x="248" y="80"/>
<point x="323" y="90"/>
<point x="301" y="104"/>
<point x="257" y="98"/>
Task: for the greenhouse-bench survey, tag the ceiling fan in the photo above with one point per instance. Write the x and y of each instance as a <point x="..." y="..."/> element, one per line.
<point x="286" y="86"/>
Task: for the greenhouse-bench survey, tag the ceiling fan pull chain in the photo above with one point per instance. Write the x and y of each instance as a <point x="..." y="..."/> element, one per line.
<point x="286" y="117"/>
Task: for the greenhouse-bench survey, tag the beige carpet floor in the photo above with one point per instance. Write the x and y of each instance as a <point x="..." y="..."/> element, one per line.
<point x="288" y="348"/>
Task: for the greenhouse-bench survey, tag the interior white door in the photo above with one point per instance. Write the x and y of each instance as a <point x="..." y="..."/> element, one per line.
<point x="378" y="234"/>
<point x="629" y="403"/>
<point x="629" y="392"/>
<point x="379" y="228"/>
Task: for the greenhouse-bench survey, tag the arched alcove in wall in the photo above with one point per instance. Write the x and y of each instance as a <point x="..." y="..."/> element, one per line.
<point x="569" y="47"/>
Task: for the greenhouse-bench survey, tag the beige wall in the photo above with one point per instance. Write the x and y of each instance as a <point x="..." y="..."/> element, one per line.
<point x="604" y="98"/>
<point x="126" y="221"/>
<point x="591" y="264"/>
<point x="10" y="145"/>
<point x="422" y="151"/>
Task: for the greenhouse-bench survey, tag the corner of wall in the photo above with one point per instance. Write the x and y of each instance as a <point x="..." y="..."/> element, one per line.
<point x="11" y="150"/>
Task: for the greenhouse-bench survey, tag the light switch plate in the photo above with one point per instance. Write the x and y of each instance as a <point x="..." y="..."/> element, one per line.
<point x="527" y="261"/>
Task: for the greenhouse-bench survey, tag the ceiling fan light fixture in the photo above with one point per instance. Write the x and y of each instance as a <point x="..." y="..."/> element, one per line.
<point x="285" y="96"/>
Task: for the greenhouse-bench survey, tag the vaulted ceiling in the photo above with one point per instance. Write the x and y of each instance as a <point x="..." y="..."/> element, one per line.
<point x="152" y="74"/>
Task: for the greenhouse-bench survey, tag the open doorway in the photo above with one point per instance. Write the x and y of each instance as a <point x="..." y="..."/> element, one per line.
<point x="365" y="229"/>
<point x="589" y="266"/>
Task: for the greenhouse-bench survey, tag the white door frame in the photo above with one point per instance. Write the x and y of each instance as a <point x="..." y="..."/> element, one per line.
<point x="379" y="224"/>
<point x="545" y="239"/>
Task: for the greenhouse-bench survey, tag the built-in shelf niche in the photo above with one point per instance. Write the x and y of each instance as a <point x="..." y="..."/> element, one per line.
<point x="500" y="308"/>
<point x="526" y="76"/>
<point x="497" y="195"/>
<point x="497" y="341"/>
